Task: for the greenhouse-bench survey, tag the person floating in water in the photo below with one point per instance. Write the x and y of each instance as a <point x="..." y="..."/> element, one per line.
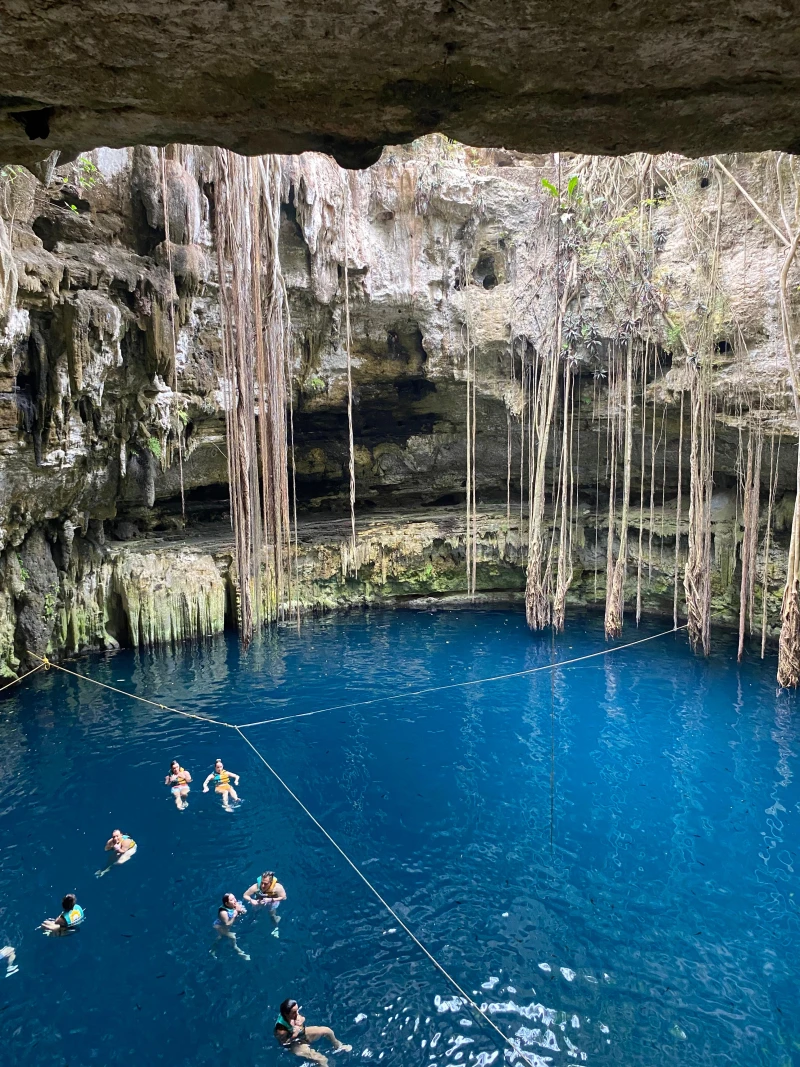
<point x="222" y="784"/>
<point x="178" y="780"/>
<point x="71" y="917"/>
<point x="123" y="847"/>
<point x="8" y="954"/>
<point x="227" y="915"/>
<point x="292" y="1032"/>
<point x="267" y="892"/>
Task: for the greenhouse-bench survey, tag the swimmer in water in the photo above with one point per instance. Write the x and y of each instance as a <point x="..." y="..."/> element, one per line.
<point x="222" y="784"/>
<point x="123" y="847"/>
<point x="9" y="955"/>
<point x="71" y="917"/>
<point x="291" y="1032"/>
<point x="227" y="915"/>
<point x="178" y="780"/>
<point x="267" y="892"/>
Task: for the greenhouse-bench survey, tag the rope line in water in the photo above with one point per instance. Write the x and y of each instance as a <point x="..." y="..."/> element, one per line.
<point x="14" y="681"/>
<point x="461" y="685"/>
<point x="514" y="1046"/>
<point x="467" y="998"/>
<point x="47" y="664"/>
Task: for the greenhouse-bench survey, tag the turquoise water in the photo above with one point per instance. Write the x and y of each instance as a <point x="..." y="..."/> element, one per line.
<point x="605" y="856"/>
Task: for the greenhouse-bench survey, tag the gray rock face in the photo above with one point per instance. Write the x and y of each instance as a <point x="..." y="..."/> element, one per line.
<point x="442" y="245"/>
<point x="35" y="586"/>
<point x="350" y="77"/>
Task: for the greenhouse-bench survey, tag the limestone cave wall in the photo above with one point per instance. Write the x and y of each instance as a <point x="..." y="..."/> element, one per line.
<point x="112" y="404"/>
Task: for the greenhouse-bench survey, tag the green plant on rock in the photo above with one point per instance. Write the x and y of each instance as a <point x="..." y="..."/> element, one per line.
<point x="86" y="173"/>
<point x="10" y="172"/>
<point x="674" y="334"/>
<point x="155" y="447"/>
<point x="24" y="573"/>
<point x="49" y="606"/>
<point x="315" y="385"/>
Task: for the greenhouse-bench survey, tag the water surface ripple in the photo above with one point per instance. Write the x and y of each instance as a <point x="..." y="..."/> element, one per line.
<point x="604" y="856"/>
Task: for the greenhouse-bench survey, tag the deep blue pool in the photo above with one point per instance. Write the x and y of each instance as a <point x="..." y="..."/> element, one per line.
<point x="605" y="856"/>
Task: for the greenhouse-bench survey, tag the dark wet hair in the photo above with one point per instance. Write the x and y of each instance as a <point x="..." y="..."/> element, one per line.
<point x="267" y="875"/>
<point x="287" y="1006"/>
<point x="68" y="903"/>
<point x="225" y="897"/>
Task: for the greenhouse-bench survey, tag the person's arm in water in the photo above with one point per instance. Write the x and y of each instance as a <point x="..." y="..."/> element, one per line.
<point x="278" y="892"/>
<point x="248" y="893"/>
<point x="187" y="776"/>
<point x="236" y="776"/>
<point x="205" y="783"/>
<point x="59" y="923"/>
<point x="111" y="845"/>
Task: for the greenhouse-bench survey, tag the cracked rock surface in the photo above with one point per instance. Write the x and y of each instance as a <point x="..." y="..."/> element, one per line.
<point x="348" y="76"/>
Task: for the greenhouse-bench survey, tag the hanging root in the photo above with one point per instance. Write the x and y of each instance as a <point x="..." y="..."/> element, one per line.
<point x="789" y="645"/>
<point x="255" y="332"/>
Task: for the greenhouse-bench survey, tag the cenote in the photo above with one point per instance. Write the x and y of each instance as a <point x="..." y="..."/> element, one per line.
<point x="603" y="855"/>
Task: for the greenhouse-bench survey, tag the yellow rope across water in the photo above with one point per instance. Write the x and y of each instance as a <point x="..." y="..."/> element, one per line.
<point x="14" y="681"/>
<point x="47" y="664"/>
<point x="462" y="992"/>
<point x="471" y="681"/>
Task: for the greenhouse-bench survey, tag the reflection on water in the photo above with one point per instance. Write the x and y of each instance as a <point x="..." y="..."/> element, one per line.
<point x="605" y="857"/>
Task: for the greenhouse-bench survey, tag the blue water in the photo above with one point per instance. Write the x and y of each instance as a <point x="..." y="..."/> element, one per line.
<point x="643" y="912"/>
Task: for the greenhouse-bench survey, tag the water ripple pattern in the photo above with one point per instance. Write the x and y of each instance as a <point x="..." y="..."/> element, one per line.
<point x="661" y="927"/>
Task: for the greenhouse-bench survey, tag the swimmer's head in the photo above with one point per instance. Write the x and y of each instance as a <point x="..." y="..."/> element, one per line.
<point x="68" y="903"/>
<point x="289" y="1008"/>
<point x="117" y="836"/>
<point x="228" y="900"/>
<point x="174" y="766"/>
<point x="267" y="878"/>
<point x="218" y="765"/>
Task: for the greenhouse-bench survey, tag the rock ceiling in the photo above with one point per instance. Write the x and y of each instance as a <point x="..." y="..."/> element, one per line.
<point x="348" y="76"/>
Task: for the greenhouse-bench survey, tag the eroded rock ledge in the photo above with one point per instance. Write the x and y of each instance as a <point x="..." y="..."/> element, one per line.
<point x="351" y="76"/>
<point x="173" y="588"/>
